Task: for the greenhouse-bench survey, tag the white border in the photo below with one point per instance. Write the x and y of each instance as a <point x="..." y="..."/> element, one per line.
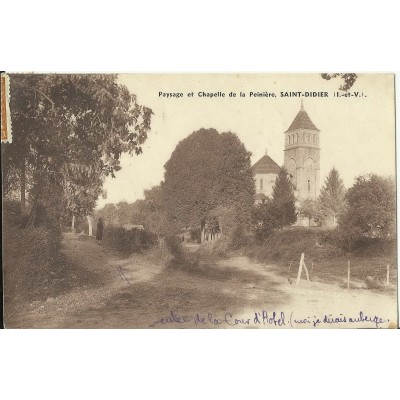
<point x="251" y="36"/>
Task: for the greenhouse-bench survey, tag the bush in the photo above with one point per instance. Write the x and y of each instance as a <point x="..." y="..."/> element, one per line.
<point x="288" y="244"/>
<point x="370" y="212"/>
<point x="33" y="263"/>
<point x="174" y="245"/>
<point x="126" y="241"/>
<point x="181" y="260"/>
<point x="12" y="213"/>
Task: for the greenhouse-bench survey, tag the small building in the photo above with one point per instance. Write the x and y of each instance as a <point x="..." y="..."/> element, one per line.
<point x="129" y="227"/>
<point x="265" y="172"/>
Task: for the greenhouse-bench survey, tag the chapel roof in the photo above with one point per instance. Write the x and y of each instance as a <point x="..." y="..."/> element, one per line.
<point x="266" y="165"/>
<point x="302" y="120"/>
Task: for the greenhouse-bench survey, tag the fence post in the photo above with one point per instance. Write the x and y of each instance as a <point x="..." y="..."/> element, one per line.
<point x="387" y="275"/>
<point x="305" y="269"/>
<point x="348" y="274"/>
<point x="300" y="268"/>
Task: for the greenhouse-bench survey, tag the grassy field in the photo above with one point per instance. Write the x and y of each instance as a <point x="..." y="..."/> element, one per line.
<point x="325" y="261"/>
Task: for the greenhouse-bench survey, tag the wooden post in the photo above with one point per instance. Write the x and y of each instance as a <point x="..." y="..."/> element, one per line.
<point x="305" y="269"/>
<point x="387" y="275"/>
<point x="89" y="219"/>
<point x="300" y="268"/>
<point x="348" y="274"/>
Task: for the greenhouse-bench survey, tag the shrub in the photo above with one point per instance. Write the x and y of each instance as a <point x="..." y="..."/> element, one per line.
<point x="264" y="220"/>
<point x="288" y="244"/>
<point x="174" y="245"/>
<point x="181" y="260"/>
<point x="33" y="263"/>
<point x="126" y="241"/>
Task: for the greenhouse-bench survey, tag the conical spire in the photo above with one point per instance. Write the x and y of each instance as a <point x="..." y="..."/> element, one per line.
<point x="302" y="120"/>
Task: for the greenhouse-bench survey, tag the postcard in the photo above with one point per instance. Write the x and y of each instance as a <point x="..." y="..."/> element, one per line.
<point x="199" y="201"/>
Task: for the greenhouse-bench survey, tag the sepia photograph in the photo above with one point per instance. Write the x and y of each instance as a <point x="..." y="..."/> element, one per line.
<point x="199" y="201"/>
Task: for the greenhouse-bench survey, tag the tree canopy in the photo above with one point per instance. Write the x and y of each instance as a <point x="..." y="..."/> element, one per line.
<point x="371" y="209"/>
<point x="283" y="200"/>
<point x="205" y="171"/>
<point x="148" y="212"/>
<point x="331" y="201"/>
<point x="348" y="79"/>
<point x="69" y="131"/>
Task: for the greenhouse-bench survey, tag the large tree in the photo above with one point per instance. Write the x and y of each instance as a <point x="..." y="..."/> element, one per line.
<point x="370" y="211"/>
<point x="208" y="170"/>
<point x="283" y="200"/>
<point x="69" y="132"/>
<point x="331" y="201"/>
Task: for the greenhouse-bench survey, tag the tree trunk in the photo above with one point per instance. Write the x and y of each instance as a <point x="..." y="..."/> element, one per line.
<point x="73" y="224"/>
<point x="89" y="219"/>
<point x="23" y="183"/>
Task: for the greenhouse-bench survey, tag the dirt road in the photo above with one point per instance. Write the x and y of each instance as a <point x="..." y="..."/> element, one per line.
<point x="139" y="293"/>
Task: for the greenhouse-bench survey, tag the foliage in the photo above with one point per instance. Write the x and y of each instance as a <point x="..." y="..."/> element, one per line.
<point x="32" y="261"/>
<point x="126" y="241"/>
<point x="283" y="200"/>
<point x="265" y="219"/>
<point x="348" y="79"/>
<point x="147" y="212"/>
<point x="288" y="244"/>
<point x="370" y="212"/>
<point x="181" y="260"/>
<point x="207" y="170"/>
<point x="174" y="246"/>
<point x="71" y="130"/>
<point x="331" y="201"/>
<point x="309" y="209"/>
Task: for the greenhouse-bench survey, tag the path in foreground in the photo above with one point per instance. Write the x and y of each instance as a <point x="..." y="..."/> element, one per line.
<point x="137" y="293"/>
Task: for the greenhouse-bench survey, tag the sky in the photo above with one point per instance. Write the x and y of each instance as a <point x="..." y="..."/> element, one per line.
<point x="357" y="134"/>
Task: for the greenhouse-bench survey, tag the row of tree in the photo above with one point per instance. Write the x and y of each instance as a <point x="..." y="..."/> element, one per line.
<point x="209" y="182"/>
<point x="367" y="210"/>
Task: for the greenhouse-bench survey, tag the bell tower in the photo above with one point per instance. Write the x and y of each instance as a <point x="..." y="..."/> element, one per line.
<point x="302" y="156"/>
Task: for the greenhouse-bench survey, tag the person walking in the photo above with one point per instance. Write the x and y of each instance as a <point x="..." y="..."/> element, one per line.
<point x="99" y="231"/>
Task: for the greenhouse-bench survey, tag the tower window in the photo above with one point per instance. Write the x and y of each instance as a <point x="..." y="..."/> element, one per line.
<point x="309" y="185"/>
<point x="261" y="184"/>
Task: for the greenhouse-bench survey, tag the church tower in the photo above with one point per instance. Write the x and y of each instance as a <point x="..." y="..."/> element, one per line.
<point x="302" y="156"/>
